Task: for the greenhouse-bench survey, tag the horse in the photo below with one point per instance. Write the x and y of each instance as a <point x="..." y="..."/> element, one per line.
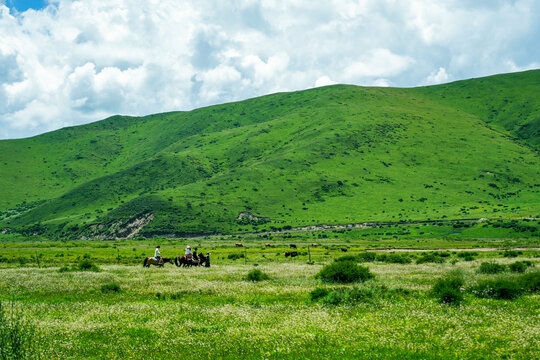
<point x="152" y="261"/>
<point x="292" y="246"/>
<point x="238" y="245"/>
<point x="185" y="262"/>
<point x="291" y="254"/>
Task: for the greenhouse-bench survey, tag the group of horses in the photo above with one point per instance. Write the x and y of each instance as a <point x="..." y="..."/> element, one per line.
<point x="180" y="261"/>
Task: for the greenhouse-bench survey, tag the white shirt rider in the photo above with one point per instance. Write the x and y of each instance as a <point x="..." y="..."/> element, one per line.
<point x="157" y="254"/>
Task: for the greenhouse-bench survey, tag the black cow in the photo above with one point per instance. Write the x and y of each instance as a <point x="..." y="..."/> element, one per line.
<point x="343" y="250"/>
<point x="292" y="246"/>
<point x="291" y="254"/>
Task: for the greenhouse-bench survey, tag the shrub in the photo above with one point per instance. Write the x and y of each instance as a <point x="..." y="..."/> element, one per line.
<point x="498" y="289"/>
<point x="511" y="253"/>
<point x="87" y="265"/>
<point x="318" y="293"/>
<point x="366" y="257"/>
<point x="430" y="258"/>
<point x="257" y="275"/>
<point x="465" y="254"/>
<point x="490" y="268"/>
<point x="111" y="287"/>
<point x="520" y="266"/>
<point x="530" y="282"/>
<point x="235" y="256"/>
<point x="395" y="259"/>
<point x="346" y="258"/>
<point x="344" y="272"/>
<point x="449" y="289"/>
<point x="64" y="269"/>
<point x="18" y="338"/>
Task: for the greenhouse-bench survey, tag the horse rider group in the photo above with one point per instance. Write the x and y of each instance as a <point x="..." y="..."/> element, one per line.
<point x="189" y="254"/>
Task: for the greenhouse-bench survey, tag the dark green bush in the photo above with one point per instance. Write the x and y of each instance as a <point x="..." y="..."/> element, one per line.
<point x="498" y="289"/>
<point x="257" y="275"/>
<point x="318" y="293"/>
<point x="530" y="282"/>
<point x="366" y="257"/>
<point x="465" y="254"/>
<point x="395" y="259"/>
<point x="430" y="258"/>
<point x="449" y="289"/>
<point x="344" y="272"/>
<point x="520" y="266"/>
<point x="491" y="268"/>
<point x="512" y="253"/>
<point x="235" y="256"/>
<point x="346" y="258"/>
<point x="111" y="287"/>
<point x="87" y="265"/>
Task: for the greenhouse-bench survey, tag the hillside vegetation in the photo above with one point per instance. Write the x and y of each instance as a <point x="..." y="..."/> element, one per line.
<point x="332" y="155"/>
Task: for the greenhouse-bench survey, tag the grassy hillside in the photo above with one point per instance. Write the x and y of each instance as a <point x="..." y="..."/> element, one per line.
<point x="332" y="155"/>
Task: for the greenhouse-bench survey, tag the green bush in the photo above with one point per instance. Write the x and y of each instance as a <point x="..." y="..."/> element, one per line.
<point x="520" y="266"/>
<point x="318" y="293"/>
<point x="466" y="254"/>
<point x="344" y="272"/>
<point x="87" y="265"/>
<point x="235" y="256"/>
<point x="366" y="257"/>
<point x="394" y="258"/>
<point x="530" y="282"/>
<point x="498" y="289"/>
<point x="430" y="258"/>
<point x="257" y="275"/>
<point x="449" y="289"/>
<point x="512" y="253"/>
<point x="491" y="268"/>
<point x="346" y="258"/>
<point x="111" y="287"/>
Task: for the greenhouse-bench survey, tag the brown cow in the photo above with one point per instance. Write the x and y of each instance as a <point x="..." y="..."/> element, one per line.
<point x="313" y="245"/>
<point x="238" y="245"/>
<point x="267" y="244"/>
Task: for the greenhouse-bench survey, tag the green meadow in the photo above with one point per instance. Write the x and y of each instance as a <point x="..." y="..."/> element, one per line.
<point x="123" y="310"/>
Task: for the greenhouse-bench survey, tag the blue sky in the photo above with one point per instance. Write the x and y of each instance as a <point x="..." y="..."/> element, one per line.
<point x="23" y="5"/>
<point x="65" y="62"/>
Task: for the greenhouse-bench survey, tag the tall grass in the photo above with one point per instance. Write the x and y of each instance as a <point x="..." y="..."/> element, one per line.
<point x="17" y="335"/>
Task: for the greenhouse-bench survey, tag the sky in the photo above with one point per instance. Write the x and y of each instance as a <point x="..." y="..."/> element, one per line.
<point x="65" y="62"/>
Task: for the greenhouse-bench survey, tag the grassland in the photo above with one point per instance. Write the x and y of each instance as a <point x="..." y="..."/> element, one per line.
<point x="332" y="155"/>
<point x="213" y="313"/>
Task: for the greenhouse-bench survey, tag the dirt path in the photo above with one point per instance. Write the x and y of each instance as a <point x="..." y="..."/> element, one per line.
<point x="454" y="249"/>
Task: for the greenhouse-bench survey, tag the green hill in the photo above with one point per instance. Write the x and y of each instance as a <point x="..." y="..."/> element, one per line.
<point x="332" y="155"/>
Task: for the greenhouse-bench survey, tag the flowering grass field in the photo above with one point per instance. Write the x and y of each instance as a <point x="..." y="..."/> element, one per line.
<point x="126" y="311"/>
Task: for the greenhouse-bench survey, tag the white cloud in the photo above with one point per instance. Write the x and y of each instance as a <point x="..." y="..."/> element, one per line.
<point x="437" y="77"/>
<point x="324" y="81"/>
<point x="78" y="61"/>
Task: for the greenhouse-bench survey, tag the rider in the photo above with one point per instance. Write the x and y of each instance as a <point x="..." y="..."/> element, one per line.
<point x="195" y="256"/>
<point x="157" y="254"/>
<point x="189" y="254"/>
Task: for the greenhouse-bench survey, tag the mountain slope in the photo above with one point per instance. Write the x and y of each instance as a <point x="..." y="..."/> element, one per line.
<point x="338" y="154"/>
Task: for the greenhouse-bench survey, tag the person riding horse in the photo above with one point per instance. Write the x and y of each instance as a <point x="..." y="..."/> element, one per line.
<point x="157" y="255"/>
<point x="195" y="256"/>
<point x="189" y="254"/>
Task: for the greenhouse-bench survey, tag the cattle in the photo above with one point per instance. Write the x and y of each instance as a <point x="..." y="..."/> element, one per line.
<point x="267" y="244"/>
<point x="313" y="245"/>
<point x="238" y="245"/>
<point x="291" y="254"/>
<point x="343" y="250"/>
<point x="292" y="246"/>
